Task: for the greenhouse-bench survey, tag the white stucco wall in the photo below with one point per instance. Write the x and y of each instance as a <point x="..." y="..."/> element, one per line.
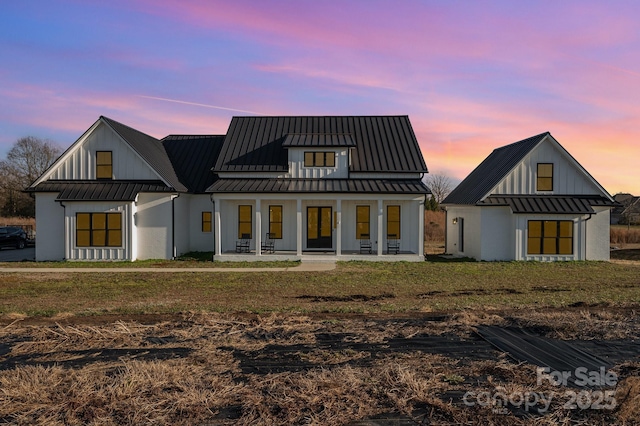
<point x="183" y="224"/>
<point x="598" y="235"/>
<point x="199" y="241"/>
<point x="472" y="221"/>
<point x="497" y="232"/>
<point x="49" y="227"/>
<point x="153" y="225"/>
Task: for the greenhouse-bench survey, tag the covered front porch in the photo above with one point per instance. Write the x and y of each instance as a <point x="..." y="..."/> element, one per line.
<point x="318" y="227"/>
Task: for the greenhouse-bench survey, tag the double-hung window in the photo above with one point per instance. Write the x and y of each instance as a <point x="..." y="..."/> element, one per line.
<point x="104" y="165"/>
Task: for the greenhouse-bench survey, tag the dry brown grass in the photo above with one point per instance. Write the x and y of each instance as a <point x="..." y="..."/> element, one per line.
<point x="11" y="221"/>
<point x="621" y="235"/>
<point x="191" y="370"/>
<point x="434" y="226"/>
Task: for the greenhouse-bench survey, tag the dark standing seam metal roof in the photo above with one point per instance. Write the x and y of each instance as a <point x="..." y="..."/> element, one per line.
<point x="382" y="143"/>
<point x="149" y="148"/>
<point x="404" y="186"/>
<point x="99" y="190"/>
<point x="318" y="140"/>
<point x="192" y="157"/>
<point x="491" y="171"/>
<point x="567" y="204"/>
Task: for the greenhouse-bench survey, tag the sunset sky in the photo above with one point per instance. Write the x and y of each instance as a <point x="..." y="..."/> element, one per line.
<point x="471" y="75"/>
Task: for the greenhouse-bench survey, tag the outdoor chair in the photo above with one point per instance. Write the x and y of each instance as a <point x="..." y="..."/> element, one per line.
<point x="393" y="244"/>
<point x="269" y="244"/>
<point x="365" y="244"/>
<point x="242" y="246"/>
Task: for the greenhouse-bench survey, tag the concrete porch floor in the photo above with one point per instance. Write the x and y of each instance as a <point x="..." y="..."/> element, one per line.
<point x="316" y="256"/>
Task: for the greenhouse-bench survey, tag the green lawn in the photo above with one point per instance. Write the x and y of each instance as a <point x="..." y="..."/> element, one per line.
<point x="352" y="287"/>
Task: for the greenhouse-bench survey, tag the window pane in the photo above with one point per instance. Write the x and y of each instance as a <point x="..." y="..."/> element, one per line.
<point x="549" y="246"/>
<point x="535" y="228"/>
<point x="308" y="159"/>
<point x="312" y="223"/>
<point x="245" y="213"/>
<point x="566" y="228"/>
<point x="393" y="213"/>
<point x="325" y="230"/>
<point x="362" y="213"/>
<point x="114" y="221"/>
<point x="545" y="170"/>
<point x="83" y="238"/>
<point x="206" y="221"/>
<point x="244" y="228"/>
<point x="330" y="159"/>
<point x="550" y="228"/>
<point x="545" y="184"/>
<point x="115" y="238"/>
<point x="98" y="221"/>
<point x="103" y="172"/>
<point x="566" y="246"/>
<point x="99" y="238"/>
<point x="276" y="229"/>
<point x="533" y="246"/>
<point x="83" y="221"/>
<point x="362" y="231"/>
<point x="103" y="158"/>
<point x="275" y="213"/>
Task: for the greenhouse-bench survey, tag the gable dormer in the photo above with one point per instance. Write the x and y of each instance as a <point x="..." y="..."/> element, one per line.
<point x="319" y="155"/>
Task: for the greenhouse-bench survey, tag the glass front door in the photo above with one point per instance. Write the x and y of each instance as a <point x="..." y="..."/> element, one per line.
<point x="319" y="227"/>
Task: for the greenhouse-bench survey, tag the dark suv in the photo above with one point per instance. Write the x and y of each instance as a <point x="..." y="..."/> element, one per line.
<point x="12" y="236"/>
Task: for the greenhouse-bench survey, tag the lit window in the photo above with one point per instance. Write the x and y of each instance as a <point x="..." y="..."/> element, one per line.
<point x="544" y="181"/>
<point x="98" y="229"/>
<point x="104" y="165"/>
<point x="393" y="222"/>
<point x="550" y="237"/>
<point x="362" y="222"/>
<point x="275" y="221"/>
<point x="245" y="221"/>
<point x="319" y="159"/>
<point x="206" y="221"/>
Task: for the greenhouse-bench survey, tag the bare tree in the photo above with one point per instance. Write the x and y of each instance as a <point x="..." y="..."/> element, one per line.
<point x="440" y="186"/>
<point x="26" y="161"/>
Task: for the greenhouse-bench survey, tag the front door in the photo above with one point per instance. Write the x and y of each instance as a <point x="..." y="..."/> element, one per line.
<point x="319" y="228"/>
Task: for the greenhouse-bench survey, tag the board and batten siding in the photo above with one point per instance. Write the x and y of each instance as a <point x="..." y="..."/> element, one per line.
<point x="97" y="253"/>
<point x="567" y="179"/>
<point x="81" y="163"/>
<point x="297" y="170"/>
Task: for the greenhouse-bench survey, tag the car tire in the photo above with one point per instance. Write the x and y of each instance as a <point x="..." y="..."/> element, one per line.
<point x="20" y="245"/>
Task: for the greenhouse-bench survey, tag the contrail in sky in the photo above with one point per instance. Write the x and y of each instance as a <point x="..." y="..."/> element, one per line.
<point x="200" y="105"/>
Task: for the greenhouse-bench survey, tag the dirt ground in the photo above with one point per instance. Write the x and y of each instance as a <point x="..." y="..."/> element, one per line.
<point x="319" y="369"/>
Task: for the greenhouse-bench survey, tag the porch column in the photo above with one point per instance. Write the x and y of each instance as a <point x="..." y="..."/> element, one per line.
<point x="420" y="228"/>
<point x="258" y="228"/>
<point x="338" y="227"/>
<point x="218" y="238"/>
<point x="299" y="227"/>
<point x="381" y="238"/>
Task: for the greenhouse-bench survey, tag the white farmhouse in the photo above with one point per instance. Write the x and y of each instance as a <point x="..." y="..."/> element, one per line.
<point x="529" y="200"/>
<point x="271" y="188"/>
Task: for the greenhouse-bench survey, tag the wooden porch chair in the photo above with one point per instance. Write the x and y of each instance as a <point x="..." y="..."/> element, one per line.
<point x="269" y="244"/>
<point x="365" y="244"/>
<point x="393" y="244"/>
<point x="242" y="246"/>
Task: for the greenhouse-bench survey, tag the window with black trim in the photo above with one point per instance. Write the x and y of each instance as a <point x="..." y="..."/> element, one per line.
<point x="319" y="159"/>
<point x="245" y="221"/>
<point x="363" y="222"/>
<point x="393" y="222"/>
<point x="206" y="221"/>
<point x="104" y="165"/>
<point x="98" y="229"/>
<point x="544" y="178"/>
<point x="275" y="222"/>
<point x="550" y="237"/>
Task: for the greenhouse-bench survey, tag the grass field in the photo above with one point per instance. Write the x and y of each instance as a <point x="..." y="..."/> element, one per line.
<point x="361" y="287"/>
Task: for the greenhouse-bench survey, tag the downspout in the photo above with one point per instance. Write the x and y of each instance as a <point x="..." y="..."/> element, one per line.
<point x="173" y="224"/>
<point x="64" y="221"/>
<point x="424" y="226"/>
<point x="585" y="235"/>
<point x="213" y="222"/>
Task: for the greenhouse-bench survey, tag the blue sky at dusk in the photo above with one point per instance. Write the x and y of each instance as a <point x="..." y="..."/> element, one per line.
<point x="471" y="75"/>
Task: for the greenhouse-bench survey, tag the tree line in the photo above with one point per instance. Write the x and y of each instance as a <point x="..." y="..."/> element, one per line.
<point x="27" y="159"/>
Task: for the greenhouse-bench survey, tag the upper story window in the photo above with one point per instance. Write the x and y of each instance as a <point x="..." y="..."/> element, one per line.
<point x="544" y="178"/>
<point x="104" y="165"/>
<point x="319" y="159"/>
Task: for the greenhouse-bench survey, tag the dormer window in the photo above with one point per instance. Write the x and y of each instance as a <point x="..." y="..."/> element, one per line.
<point x="319" y="159"/>
<point x="104" y="165"/>
<point x="544" y="179"/>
